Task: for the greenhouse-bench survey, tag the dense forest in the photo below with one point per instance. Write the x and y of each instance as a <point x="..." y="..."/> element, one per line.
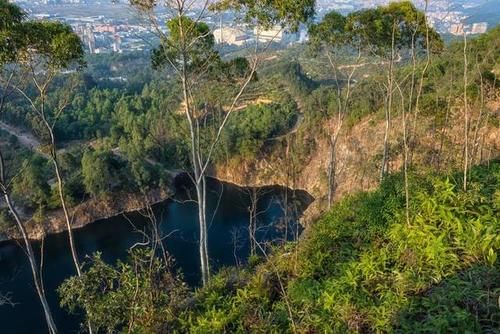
<point x="392" y="130"/>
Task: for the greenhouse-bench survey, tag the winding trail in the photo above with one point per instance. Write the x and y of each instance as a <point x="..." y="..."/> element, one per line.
<point x="172" y="172"/>
<point x="296" y="126"/>
<point x="32" y="143"/>
<point x="25" y="138"/>
<point x="300" y="118"/>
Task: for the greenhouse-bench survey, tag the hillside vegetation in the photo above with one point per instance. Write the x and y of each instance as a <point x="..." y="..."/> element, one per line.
<point x="393" y="132"/>
<point x="361" y="268"/>
<point x="364" y="265"/>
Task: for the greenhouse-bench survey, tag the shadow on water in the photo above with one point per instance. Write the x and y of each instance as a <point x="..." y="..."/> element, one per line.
<point x="229" y="244"/>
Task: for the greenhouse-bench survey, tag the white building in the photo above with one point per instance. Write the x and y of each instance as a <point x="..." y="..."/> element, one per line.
<point x="476" y="28"/>
<point x="276" y="34"/>
<point x="479" y="28"/>
<point x="457" y="29"/>
<point x="231" y="36"/>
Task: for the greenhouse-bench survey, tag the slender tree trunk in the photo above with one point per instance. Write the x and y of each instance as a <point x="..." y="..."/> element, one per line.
<point x="405" y="127"/>
<point x="342" y="104"/>
<point x="31" y="255"/>
<point x="445" y="125"/>
<point x="252" y="229"/>
<point x="466" y="118"/>
<point x="477" y="127"/>
<point x="35" y="269"/>
<point x="201" y="192"/>
<point x="332" y="170"/>
<point x="199" y="181"/>
<point x="62" y="198"/>
<point x="33" y="266"/>
<point x="289" y="171"/>
<point x="405" y="164"/>
<point x="405" y="148"/>
<point x="413" y="134"/>
<point x="388" y="109"/>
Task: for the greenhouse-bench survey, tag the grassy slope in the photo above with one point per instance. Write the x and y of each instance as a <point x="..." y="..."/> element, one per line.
<point x="362" y="268"/>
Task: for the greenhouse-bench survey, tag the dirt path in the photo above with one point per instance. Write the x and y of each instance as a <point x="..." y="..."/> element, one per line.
<point x="296" y="126"/>
<point x="172" y="173"/>
<point x="380" y="63"/>
<point x="25" y="139"/>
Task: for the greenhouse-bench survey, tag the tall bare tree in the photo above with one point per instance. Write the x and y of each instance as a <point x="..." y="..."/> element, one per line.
<point x="331" y="40"/>
<point x="188" y="50"/>
<point x="466" y="113"/>
<point x="11" y="39"/>
<point x="386" y="32"/>
<point x="50" y="48"/>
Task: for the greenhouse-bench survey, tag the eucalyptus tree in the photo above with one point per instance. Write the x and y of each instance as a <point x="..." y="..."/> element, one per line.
<point x="330" y="38"/>
<point x="386" y="32"/>
<point x="50" y="48"/>
<point x="188" y="50"/>
<point x="11" y="40"/>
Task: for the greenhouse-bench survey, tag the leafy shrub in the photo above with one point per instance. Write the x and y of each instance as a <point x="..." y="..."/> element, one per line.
<point x="363" y="268"/>
<point x="140" y="296"/>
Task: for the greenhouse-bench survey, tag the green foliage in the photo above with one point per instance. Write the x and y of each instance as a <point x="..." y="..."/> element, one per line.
<point x="6" y="220"/>
<point x="455" y="303"/>
<point x="189" y="42"/>
<point x="445" y="75"/>
<point x="11" y="17"/>
<point x="267" y="13"/>
<point x="26" y="41"/>
<point x="89" y="115"/>
<point x="248" y="129"/>
<point x="330" y="31"/>
<point x="377" y="30"/>
<point x="55" y="42"/>
<point x="30" y="187"/>
<point x="139" y="296"/>
<point x="399" y="24"/>
<point x="98" y="172"/>
<point x="10" y="14"/>
<point x="362" y="268"/>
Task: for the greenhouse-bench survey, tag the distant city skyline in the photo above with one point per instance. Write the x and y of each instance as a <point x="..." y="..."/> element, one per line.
<point x="107" y="26"/>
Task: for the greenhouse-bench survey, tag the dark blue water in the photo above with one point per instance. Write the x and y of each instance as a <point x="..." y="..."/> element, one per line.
<point x="228" y="245"/>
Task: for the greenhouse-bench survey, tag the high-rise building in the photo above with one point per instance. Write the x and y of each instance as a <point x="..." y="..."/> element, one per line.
<point x="457" y="29"/>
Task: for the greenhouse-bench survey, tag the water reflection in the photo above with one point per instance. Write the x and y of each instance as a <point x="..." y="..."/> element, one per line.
<point x="228" y="245"/>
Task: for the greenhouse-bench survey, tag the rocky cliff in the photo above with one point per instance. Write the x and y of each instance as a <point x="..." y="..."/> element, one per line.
<point x="92" y="210"/>
<point x="359" y="153"/>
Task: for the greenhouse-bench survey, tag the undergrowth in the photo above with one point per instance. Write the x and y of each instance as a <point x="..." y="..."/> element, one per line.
<point x="363" y="269"/>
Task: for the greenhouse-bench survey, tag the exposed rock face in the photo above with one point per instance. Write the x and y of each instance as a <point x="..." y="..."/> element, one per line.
<point x="92" y="210"/>
<point x="359" y="151"/>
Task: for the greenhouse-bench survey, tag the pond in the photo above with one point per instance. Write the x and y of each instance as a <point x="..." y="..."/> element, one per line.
<point x="228" y="245"/>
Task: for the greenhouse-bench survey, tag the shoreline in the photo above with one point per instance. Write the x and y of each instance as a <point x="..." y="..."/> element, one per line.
<point x="88" y="212"/>
<point x="115" y="204"/>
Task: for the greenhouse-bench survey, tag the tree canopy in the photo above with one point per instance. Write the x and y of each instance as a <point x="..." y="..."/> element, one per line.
<point x="401" y="21"/>
<point x="377" y="29"/>
<point x="267" y="13"/>
<point x="186" y="38"/>
<point x="55" y="42"/>
<point x="331" y="30"/>
<point x="11" y="17"/>
<point x="30" y="42"/>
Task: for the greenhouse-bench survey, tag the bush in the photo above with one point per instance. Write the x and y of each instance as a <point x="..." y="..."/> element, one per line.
<point x="363" y="268"/>
<point x="139" y="296"/>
